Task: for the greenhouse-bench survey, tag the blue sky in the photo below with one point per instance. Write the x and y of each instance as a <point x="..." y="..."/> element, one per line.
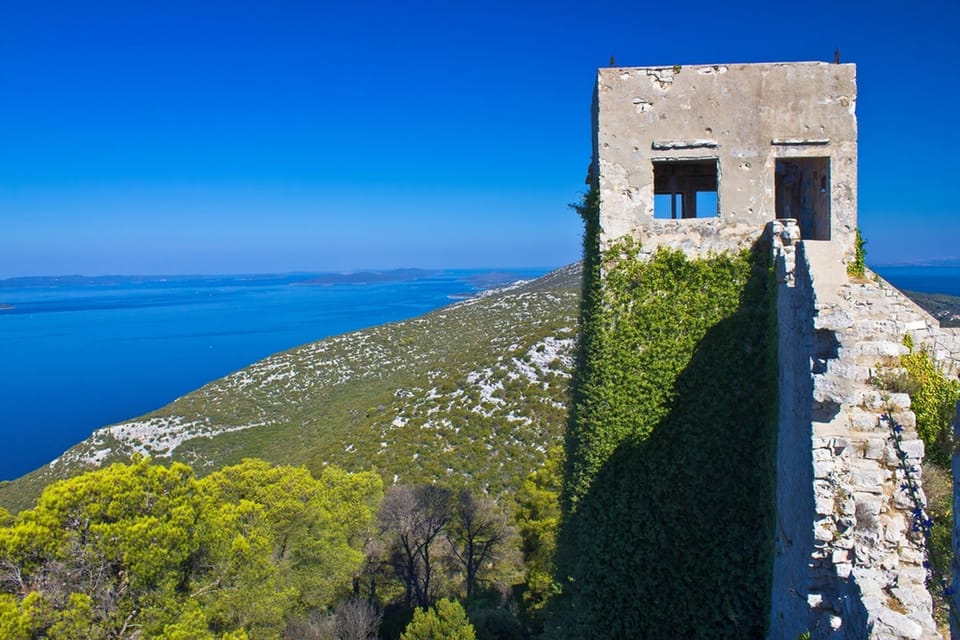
<point x="219" y="137"/>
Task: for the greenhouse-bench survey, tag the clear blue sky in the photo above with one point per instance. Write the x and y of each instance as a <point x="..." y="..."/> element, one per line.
<point x="213" y="137"/>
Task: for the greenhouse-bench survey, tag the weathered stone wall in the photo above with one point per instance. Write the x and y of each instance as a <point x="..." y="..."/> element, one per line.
<point x="943" y="343"/>
<point x="795" y="505"/>
<point x="955" y="585"/>
<point x="744" y="116"/>
<point x="850" y="566"/>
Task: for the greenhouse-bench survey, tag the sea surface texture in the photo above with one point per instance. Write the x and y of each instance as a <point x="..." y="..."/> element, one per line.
<point x="80" y="353"/>
<point x="926" y="279"/>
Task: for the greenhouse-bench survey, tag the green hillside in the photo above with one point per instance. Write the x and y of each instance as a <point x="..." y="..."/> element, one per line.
<point x="945" y="308"/>
<point x="475" y="392"/>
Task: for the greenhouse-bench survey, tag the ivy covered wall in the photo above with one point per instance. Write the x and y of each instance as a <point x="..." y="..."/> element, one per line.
<point x="669" y="482"/>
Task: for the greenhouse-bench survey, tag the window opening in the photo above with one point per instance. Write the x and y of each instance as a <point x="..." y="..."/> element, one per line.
<point x="685" y="189"/>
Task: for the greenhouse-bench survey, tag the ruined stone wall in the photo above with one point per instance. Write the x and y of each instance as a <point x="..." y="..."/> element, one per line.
<point x="744" y="116"/>
<point x="955" y="585"/>
<point x="943" y="343"/>
<point x="795" y="505"/>
<point x="848" y="563"/>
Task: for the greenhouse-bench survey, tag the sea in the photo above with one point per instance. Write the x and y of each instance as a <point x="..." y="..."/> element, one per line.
<point x="78" y="353"/>
<point x="925" y="279"/>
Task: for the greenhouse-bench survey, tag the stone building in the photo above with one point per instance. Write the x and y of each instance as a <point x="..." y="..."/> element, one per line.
<point x="703" y="157"/>
<point x="716" y="158"/>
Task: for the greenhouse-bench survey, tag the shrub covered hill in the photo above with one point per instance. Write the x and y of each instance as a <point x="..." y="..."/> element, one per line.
<point x="943" y="307"/>
<point x="475" y="392"/>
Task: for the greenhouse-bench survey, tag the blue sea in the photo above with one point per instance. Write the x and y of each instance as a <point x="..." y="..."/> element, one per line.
<point x="925" y="279"/>
<point x="79" y="353"/>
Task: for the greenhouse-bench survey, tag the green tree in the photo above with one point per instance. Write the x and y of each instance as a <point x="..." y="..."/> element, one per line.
<point x="149" y="551"/>
<point x="317" y="526"/>
<point x="102" y="553"/>
<point x="538" y="518"/>
<point x="446" y="621"/>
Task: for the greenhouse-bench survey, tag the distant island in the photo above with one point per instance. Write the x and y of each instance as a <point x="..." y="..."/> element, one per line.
<point x="368" y="277"/>
<point x="6" y="307"/>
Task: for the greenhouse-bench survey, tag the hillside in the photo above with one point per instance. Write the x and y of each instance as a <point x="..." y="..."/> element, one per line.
<point x="474" y="392"/>
<point x="941" y="306"/>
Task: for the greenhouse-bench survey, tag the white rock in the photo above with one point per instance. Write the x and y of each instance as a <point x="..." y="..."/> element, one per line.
<point x="900" y="625"/>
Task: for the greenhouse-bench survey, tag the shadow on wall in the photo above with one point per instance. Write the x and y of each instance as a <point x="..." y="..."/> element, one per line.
<point x="674" y="537"/>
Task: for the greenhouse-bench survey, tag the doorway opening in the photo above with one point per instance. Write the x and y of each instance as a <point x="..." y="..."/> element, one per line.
<point x="803" y="193"/>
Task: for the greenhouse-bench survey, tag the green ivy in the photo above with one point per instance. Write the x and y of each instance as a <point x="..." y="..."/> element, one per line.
<point x="668" y="492"/>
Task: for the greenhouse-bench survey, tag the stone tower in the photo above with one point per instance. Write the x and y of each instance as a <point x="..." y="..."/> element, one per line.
<point x="715" y="158"/>
<point x="703" y="157"/>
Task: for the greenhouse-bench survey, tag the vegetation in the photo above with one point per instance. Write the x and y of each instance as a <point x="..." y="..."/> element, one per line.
<point x="934" y="402"/>
<point x="446" y="621"/>
<point x="148" y="550"/>
<point x="253" y="551"/>
<point x="669" y="477"/>
<point x="934" y="399"/>
<point x="538" y="518"/>
<point x="945" y="308"/>
<point x="858" y="267"/>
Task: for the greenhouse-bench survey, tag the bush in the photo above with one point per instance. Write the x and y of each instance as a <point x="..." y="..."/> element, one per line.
<point x="934" y="402"/>
<point x="445" y="621"/>
<point x="858" y="267"/>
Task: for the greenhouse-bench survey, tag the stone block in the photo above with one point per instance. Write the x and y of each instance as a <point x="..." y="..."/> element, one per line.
<point x="899" y="625"/>
<point x="861" y="420"/>
<point x="882" y="348"/>
<point x="822" y="454"/>
<point x="823" y="468"/>
<point x="898" y="401"/>
<point x="873" y="448"/>
<point x="839" y="445"/>
<point x="843" y="570"/>
<point x="890" y="562"/>
<point x="893" y="532"/>
<point x="823" y="532"/>
<point x="906" y="419"/>
<point x="872" y="399"/>
<point x="910" y="554"/>
<point x="902" y="500"/>
<point x="913" y="449"/>
<point x="869" y="480"/>
<point x="823" y="506"/>
<point x="840" y="556"/>
<point x="844" y="542"/>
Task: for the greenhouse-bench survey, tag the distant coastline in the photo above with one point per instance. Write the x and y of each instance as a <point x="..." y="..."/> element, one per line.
<point x="6" y="307"/>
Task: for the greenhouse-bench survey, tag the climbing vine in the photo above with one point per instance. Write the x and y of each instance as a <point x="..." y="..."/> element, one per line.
<point x="669" y="482"/>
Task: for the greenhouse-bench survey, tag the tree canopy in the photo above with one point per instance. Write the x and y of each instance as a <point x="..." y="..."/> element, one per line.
<point x="150" y="550"/>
